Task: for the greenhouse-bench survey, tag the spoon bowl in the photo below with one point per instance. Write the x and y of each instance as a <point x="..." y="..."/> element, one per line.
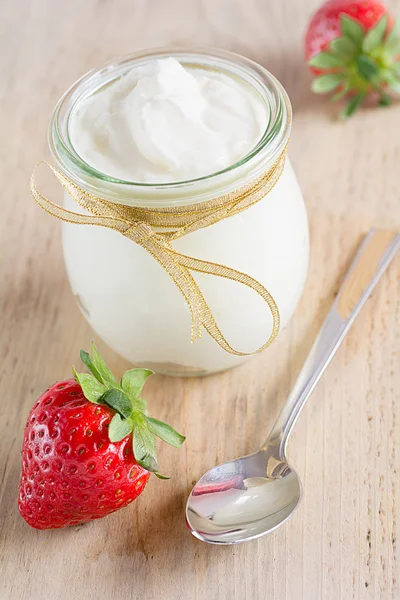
<point x="243" y="499"/>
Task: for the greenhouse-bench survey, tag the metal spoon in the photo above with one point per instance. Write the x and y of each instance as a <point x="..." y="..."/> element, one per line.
<point x="246" y="498"/>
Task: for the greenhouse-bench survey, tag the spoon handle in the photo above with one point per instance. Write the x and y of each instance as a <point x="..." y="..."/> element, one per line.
<point x="373" y="256"/>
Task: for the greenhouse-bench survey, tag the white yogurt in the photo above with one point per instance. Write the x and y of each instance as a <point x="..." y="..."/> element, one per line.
<point x="127" y="297"/>
<point x="165" y="123"/>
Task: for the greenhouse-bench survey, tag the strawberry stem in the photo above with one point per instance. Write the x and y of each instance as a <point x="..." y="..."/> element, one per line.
<point x="359" y="63"/>
<point x="130" y="418"/>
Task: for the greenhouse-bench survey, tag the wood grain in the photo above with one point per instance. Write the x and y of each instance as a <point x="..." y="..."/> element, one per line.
<point x="341" y="543"/>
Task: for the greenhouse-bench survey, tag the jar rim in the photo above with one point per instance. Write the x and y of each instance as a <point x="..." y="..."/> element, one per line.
<point x="266" y="151"/>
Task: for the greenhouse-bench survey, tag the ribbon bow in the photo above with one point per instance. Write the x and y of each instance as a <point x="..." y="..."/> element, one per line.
<point x="137" y="225"/>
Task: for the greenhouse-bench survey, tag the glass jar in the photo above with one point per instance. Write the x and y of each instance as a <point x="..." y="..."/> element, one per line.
<point x="127" y="297"/>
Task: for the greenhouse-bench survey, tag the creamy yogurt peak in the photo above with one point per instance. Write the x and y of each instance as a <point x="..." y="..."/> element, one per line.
<point x="163" y="122"/>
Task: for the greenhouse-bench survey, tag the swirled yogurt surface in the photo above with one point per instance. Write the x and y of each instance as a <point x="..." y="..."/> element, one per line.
<point x="163" y="122"/>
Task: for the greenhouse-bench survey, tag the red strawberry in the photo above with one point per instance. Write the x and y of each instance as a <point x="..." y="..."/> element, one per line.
<point x="352" y="47"/>
<point x="88" y="447"/>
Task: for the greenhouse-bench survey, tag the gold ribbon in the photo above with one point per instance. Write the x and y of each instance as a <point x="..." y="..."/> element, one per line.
<point x="137" y="225"/>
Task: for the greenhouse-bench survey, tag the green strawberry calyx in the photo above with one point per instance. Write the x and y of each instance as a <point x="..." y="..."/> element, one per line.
<point x="359" y="63"/>
<point x="100" y="386"/>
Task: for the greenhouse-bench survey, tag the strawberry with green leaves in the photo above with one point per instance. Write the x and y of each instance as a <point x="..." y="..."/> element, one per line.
<point x="353" y="49"/>
<point x="88" y="447"/>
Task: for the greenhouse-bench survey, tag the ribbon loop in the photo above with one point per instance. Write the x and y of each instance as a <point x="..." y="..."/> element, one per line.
<point x="137" y="225"/>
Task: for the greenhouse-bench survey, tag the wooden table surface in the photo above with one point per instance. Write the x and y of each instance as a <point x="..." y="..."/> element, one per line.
<point x="341" y="543"/>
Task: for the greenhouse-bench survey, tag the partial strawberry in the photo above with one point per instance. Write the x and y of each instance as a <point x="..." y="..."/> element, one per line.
<point x="88" y="447"/>
<point x="353" y="49"/>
